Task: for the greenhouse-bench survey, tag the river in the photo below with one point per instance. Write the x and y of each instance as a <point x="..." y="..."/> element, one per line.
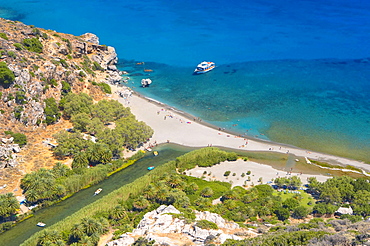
<point x="59" y="211"/>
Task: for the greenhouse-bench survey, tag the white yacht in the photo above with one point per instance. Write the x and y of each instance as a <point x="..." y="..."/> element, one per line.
<point x="204" y="67"/>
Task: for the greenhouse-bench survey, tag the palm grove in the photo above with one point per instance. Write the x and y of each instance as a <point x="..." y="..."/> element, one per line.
<point x="124" y="208"/>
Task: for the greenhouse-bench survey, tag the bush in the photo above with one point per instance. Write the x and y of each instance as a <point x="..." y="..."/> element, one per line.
<point x="33" y="45"/>
<point x="18" y="112"/>
<point x="12" y="54"/>
<point x="96" y="66"/>
<point x="105" y="88"/>
<point x="205" y="224"/>
<point x="51" y="111"/>
<point x="6" y="75"/>
<point x="227" y="173"/>
<point x="19" y="138"/>
<point x="18" y="46"/>
<point x="3" y="35"/>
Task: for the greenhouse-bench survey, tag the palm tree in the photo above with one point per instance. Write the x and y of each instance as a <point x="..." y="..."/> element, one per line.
<point x="48" y="236"/>
<point x="80" y="160"/>
<point x="206" y="192"/>
<point x="86" y="241"/>
<point x="150" y="192"/>
<point x="8" y="204"/>
<point x="60" y="170"/>
<point x="29" y="181"/>
<point x="91" y="226"/>
<point x="117" y="213"/>
<point x="141" y="203"/>
<point x="162" y="195"/>
<point x="77" y="232"/>
<point x="32" y="196"/>
<point x="174" y="181"/>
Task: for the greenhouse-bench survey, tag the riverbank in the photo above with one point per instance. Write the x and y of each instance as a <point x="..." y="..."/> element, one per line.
<point x="174" y="126"/>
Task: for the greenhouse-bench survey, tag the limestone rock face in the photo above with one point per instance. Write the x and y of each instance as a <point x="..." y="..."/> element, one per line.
<point x="160" y="226"/>
<point x="38" y="76"/>
<point x="90" y="37"/>
<point x="8" y="150"/>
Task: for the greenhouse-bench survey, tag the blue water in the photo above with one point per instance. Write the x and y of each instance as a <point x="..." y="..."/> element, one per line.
<point x="295" y="72"/>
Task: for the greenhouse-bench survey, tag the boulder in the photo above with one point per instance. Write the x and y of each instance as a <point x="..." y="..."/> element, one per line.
<point x="90" y="37"/>
<point x="157" y="223"/>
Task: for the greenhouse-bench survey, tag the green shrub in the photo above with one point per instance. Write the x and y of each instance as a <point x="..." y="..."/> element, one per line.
<point x="19" y="138"/>
<point x="227" y="173"/>
<point x="20" y="97"/>
<point x="96" y="66"/>
<point x="105" y="88"/>
<point x="66" y="88"/>
<point x="18" y="46"/>
<point x="51" y="111"/>
<point x="33" y="45"/>
<point x="82" y="74"/>
<point x="64" y="63"/>
<point x="205" y="224"/>
<point x="3" y="35"/>
<point x="12" y="54"/>
<point x="6" y="75"/>
<point x="18" y="112"/>
<point x="10" y="97"/>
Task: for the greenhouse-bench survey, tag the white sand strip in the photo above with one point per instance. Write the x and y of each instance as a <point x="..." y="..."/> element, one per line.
<point x="169" y="125"/>
<point x="266" y="172"/>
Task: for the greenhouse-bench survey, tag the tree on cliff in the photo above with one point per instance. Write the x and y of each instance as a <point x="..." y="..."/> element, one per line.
<point x="6" y="75"/>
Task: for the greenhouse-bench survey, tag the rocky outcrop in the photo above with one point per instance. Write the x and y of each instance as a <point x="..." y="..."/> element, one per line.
<point x="8" y="153"/>
<point x="75" y="60"/>
<point x="160" y="226"/>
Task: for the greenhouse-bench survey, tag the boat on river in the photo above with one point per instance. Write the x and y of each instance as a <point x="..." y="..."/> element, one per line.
<point x="40" y="224"/>
<point x="98" y="191"/>
<point x="150" y="168"/>
<point x="155" y="153"/>
<point x="204" y="67"/>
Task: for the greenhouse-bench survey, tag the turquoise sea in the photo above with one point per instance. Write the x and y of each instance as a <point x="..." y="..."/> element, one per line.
<point x="294" y="72"/>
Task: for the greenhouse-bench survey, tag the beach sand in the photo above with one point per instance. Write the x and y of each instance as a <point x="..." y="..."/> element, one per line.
<point x="266" y="172"/>
<point x="171" y="125"/>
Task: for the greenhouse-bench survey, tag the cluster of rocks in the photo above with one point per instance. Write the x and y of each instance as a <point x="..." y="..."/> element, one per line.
<point x="8" y="153"/>
<point x="159" y="225"/>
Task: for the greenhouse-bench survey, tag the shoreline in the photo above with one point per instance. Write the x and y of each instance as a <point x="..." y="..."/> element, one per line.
<point x="175" y="126"/>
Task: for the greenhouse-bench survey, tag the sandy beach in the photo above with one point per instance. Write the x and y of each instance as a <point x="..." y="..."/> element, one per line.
<point x="171" y="125"/>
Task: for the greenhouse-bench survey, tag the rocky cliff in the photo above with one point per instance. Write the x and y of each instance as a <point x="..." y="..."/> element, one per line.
<point x="45" y="64"/>
<point x="39" y="73"/>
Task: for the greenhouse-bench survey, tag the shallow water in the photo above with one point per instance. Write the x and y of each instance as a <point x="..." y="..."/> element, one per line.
<point x="294" y="72"/>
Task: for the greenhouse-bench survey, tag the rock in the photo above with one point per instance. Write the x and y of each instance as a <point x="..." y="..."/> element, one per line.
<point x="159" y="222"/>
<point x="90" y="37"/>
<point x="7" y="140"/>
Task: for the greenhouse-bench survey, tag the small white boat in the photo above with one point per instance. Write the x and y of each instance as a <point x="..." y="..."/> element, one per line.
<point x="146" y="82"/>
<point x="98" y="191"/>
<point x="40" y="224"/>
<point x="204" y="67"/>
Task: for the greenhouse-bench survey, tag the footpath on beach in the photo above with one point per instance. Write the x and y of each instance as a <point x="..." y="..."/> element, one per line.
<point x="172" y="126"/>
